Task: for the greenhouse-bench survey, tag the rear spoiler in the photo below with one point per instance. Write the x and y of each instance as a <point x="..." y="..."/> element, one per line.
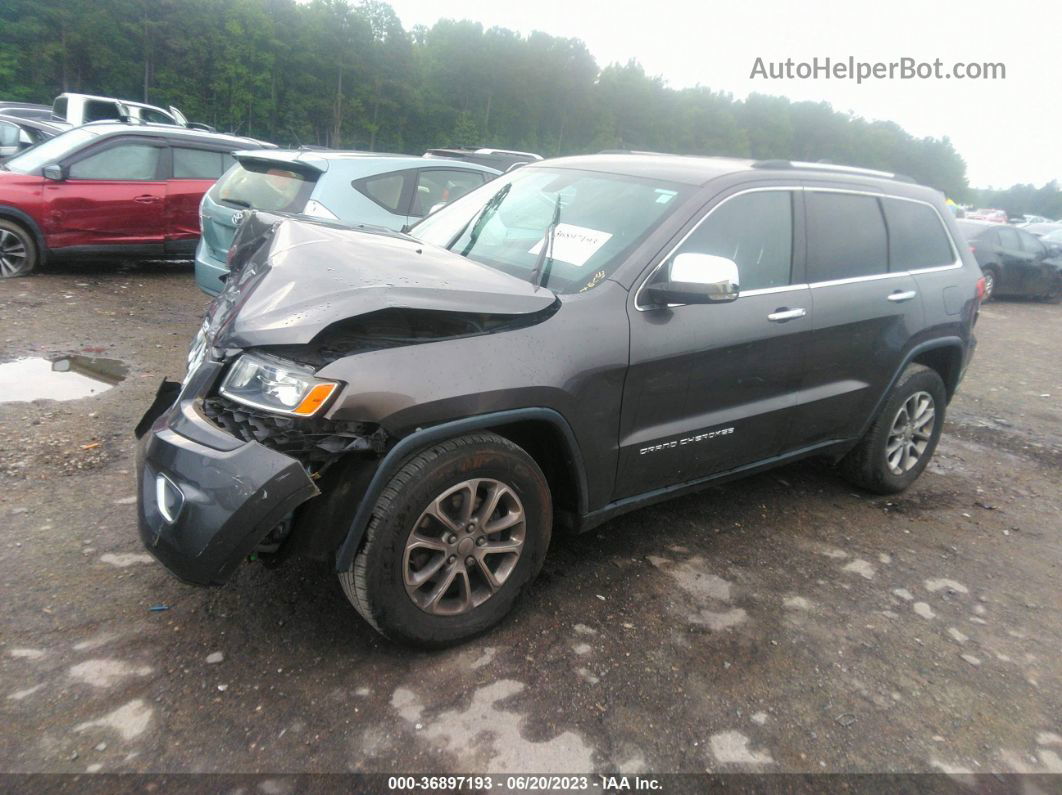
<point x="306" y="163"/>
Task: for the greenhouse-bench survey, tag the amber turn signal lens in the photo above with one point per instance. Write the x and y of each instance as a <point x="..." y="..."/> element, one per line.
<point x="314" y="400"/>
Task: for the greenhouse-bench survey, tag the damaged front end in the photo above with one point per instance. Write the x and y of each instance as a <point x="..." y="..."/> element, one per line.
<point x="223" y="475"/>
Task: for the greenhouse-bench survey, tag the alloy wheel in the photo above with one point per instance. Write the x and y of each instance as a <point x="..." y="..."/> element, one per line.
<point x="463" y="547"/>
<point x="910" y="433"/>
<point x="12" y="254"/>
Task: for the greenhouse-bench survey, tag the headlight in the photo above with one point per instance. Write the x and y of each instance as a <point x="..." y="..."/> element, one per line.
<point x="197" y="353"/>
<point x="275" y="385"/>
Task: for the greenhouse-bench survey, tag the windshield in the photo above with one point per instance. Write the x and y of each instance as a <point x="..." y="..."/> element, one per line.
<point x="261" y="185"/>
<point x="49" y="151"/>
<point x="599" y="217"/>
<point x="1053" y="237"/>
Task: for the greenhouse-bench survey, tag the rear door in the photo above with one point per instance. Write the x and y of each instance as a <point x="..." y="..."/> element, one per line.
<point x="114" y="194"/>
<point x="1037" y="276"/>
<point x="865" y="313"/>
<point x="711" y="386"/>
<point x="1016" y="261"/>
<point x="192" y="171"/>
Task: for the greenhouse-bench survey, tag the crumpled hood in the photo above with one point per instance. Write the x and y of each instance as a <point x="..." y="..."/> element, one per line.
<point x="304" y="276"/>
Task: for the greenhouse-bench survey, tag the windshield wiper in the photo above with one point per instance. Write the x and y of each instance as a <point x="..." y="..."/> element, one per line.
<point x="481" y="219"/>
<point x="540" y="275"/>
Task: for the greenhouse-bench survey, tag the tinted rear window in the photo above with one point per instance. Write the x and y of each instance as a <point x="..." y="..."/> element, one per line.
<point x="846" y="236"/>
<point x="384" y="189"/>
<point x="199" y="163"/>
<point x="264" y="186"/>
<point x="96" y="110"/>
<point x="916" y="236"/>
<point x="1008" y="238"/>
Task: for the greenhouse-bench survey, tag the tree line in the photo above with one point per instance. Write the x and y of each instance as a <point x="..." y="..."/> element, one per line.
<point x="334" y="73"/>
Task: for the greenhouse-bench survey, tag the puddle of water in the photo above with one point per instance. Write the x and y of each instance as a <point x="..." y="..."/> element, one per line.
<point x="61" y="378"/>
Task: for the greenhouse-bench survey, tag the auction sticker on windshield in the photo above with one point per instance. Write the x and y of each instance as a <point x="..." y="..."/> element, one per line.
<point x="574" y="244"/>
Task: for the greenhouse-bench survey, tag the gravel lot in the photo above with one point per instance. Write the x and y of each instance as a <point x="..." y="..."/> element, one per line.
<point x="781" y="623"/>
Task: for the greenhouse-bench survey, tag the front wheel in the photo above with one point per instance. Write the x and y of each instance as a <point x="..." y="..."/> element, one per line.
<point x="455" y="538"/>
<point x="18" y="250"/>
<point x="903" y="436"/>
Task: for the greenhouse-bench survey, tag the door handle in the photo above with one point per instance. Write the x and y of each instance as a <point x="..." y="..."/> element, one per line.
<point x="782" y="314"/>
<point x="902" y="295"/>
<point x="147" y="198"/>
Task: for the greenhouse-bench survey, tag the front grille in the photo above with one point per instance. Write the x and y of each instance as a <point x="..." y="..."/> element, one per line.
<point x="314" y="442"/>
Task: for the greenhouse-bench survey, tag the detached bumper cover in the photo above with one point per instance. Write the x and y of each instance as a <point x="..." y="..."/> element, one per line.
<point x="220" y="502"/>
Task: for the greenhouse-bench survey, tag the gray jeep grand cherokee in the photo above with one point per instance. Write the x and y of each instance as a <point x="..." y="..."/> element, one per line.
<point x="579" y="338"/>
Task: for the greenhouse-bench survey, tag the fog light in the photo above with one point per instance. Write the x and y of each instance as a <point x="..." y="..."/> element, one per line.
<point x="169" y="498"/>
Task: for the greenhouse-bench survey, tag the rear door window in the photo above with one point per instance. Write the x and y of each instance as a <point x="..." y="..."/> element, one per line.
<point x="846" y="236"/>
<point x="387" y="190"/>
<point x="264" y="186"/>
<point x="755" y="230"/>
<point x="199" y="163"/>
<point x="917" y="238"/>
<point x="129" y="161"/>
<point x="95" y="110"/>
<point x="441" y="186"/>
<point x="155" y="116"/>
<point x="1008" y="238"/>
<point x="1033" y="246"/>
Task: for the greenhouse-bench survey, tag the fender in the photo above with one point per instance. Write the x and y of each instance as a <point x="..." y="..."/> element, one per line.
<point x="27" y="221"/>
<point x="422" y="438"/>
<point x="940" y="342"/>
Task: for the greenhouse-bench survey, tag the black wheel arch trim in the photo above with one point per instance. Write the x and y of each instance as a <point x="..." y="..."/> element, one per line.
<point x="917" y="350"/>
<point x="15" y="214"/>
<point x="422" y="438"/>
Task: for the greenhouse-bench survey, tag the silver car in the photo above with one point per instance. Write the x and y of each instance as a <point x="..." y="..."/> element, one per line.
<point x="353" y="188"/>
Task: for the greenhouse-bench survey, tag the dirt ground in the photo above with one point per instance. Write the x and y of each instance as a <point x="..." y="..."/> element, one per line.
<point x="781" y="623"/>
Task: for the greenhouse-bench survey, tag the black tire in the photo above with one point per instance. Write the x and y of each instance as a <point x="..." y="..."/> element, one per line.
<point x="375" y="583"/>
<point x="991" y="274"/>
<point x="867" y="465"/>
<point x="19" y="255"/>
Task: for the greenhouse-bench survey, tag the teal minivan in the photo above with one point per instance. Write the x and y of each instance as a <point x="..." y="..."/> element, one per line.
<point x="353" y="188"/>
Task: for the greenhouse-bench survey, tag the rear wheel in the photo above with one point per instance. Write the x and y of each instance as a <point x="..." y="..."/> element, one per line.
<point x="18" y="250"/>
<point x="455" y="538"/>
<point x="903" y="436"/>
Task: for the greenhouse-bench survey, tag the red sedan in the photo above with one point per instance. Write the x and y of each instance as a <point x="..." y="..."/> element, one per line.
<point x="109" y="189"/>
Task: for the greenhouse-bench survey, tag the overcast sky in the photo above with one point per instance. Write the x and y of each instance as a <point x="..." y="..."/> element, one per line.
<point x="1008" y="130"/>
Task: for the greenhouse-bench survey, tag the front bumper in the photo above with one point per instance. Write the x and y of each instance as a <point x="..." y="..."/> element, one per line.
<point x="205" y="499"/>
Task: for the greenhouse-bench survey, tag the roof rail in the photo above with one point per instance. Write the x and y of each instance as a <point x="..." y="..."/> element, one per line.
<point x="832" y="167"/>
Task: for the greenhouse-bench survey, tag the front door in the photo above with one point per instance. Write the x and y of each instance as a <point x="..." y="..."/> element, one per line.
<point x="112" y="196"/>
<point x="711" y="386"/>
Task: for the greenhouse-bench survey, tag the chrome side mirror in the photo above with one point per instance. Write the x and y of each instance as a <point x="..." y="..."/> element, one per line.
<point x="696" y="279"/>
<point x="54" y="172"/>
